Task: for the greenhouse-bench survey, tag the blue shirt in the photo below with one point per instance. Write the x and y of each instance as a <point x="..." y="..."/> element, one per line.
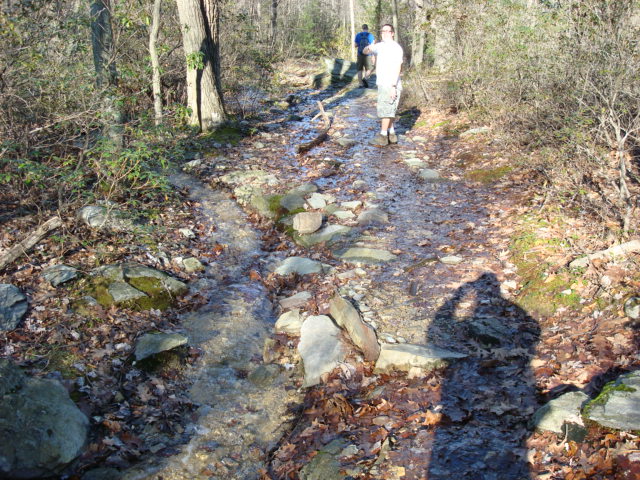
<point x="363" y="39"/>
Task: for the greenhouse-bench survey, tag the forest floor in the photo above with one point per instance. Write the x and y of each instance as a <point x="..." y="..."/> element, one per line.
<point x="488" y="210"/>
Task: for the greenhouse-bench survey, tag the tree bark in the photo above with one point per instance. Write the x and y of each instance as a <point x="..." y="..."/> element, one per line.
<point x="394" y="5"/>
<point x="353" y="30"/>
<point x="155" y="63"/>
<point x="200" y="24"/>
<point x="274" y="22"/>
<point x="25" y="245"/>
<point x="106" y="72"/>
<point x="417" y="52"/>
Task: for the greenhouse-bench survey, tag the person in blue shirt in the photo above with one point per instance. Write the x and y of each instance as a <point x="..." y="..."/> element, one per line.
<point x="365" y="61"/>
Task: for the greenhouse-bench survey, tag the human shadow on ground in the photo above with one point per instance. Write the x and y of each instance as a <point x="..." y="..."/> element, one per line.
<point x="487" y="398"/>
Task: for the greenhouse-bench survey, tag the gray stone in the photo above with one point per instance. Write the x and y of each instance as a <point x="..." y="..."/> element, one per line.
<point x="344" y="214"/>
<point x="429" y="175"/>
<point x="99" y="217"/>
<point x="122" y="293"/>
<point x="292" y="201"/>
<point x="263" y="204"/>
<point x="415" y="163"/>
<point x="299" y="265"/>
<point x="13" y="306"/>
<point x="328" y="234"/>
<point x="370" y="256"/>
<point x="46" y="429"/>
<point x="361" y="334"/>
<point x="618" y="405"/>
<point x="58" y="274"/>
<point x="406" y="356"/>
<point x="373" y="215"/>
<point x="632" y="307"/>
<point x="137" y="274"/>
<point x="307" y="222"/>
<point x="490" y="331"/>
<point x="451" y="260"/>
<point x="564" y="409"/>
<point x="359" y="185"/>
<point x="289" y="323"/>
<point x="304" y="189"/>
<point x="475" y="131"/>
<point x="11" y="377"/>
<point x="317" y="200"/>
<point x="264" y="375"/>
<point x="298" y="300"/>
<point x="351" y="205"/>
<point x="192" y="264"/>
<point x="320" y="347"/>
<point x="187" y="233"/>
<point x="152" y="343"/>
<point x="346" y="142"/>
<point x="102" y="473"/>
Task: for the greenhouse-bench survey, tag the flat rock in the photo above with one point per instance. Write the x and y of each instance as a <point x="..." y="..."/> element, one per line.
<point x="122" y="292"/>
<point x="406" y="356"/>
<point x="59" y="274"/>
<point x="330" y="233"/>
<point x="298" y="300"/>
<point x="100" y="217"/>
<point x="346" y="142"/>
<point x="371" y="256"/>
<point x="429" y="175"/>
<point x="289" y="323"/>
<point x="152" y="343"/>
<point x="13" y="306"/>
<point x="317" y="201"/>
<point x="451" y="260"/>
<point x="292" y="201"/>
<point x="618" y="405"/>
<point x="344" y="214"/>
<point x="299" y="265"/>
<point x="320" y="347"/>
<point x="361" y="334"/>
<point x="192" y="264"/>
<point x="373" y="215"/>
<point x="351" y="205"/>
<point x="415" y="163"/>
<point x="307" y="222"/>
<point x="564" y="409"/>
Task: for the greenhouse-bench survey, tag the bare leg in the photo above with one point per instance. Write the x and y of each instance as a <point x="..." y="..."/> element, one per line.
<point x="386" y="123"/>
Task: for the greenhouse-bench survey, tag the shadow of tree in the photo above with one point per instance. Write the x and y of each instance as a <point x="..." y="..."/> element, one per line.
<point x="487" y="398"/>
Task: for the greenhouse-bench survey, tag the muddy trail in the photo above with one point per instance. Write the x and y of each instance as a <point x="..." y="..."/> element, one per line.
<point x="431" y="268"/>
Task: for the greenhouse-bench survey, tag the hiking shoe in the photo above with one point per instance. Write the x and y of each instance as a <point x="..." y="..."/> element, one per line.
<point x="393" y="138"/>
<point x="379" y="140"/>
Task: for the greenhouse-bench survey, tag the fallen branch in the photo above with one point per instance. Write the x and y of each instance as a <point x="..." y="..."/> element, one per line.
<point x="25" y="245"/>
<point x="322" y="136"/>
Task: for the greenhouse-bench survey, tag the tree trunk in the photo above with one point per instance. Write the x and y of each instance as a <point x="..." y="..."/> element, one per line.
<point x="274" y="22"/>
<point x="353" y="30"/>
<point x="394" y="5"/>
<point x="200" y="24"/>
<point x="417" y="51"/>
<point x="106" y="72"/>
<point x="155" y="64"/>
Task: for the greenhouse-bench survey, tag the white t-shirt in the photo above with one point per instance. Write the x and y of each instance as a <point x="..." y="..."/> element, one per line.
<point x="388" y="60"/>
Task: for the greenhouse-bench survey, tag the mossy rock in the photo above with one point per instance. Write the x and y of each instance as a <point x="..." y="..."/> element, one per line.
<point x="134" y="286"/>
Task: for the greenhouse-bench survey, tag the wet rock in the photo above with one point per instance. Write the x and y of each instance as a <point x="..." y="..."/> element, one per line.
<point x="564" y="409"/>
<point x="326" y="465"/>
<point x="299" y="265"/>
<point x="151" y="344"/>
<point x="406" y="357"/>
<point x="618" y="405"/>
<point x="346" y="142"/>
<point x="298" y="300"/>
<point x="13" y="306"/>
<point x="372" y="216"/>
<point x="192" y="264"/>
<point x="307" y="222"/>
<point x="46" y="429"/>
<point x="328" y="235"/>
<point x="320" y="347"/>
<point x="370" y="256"/>
<point x="361" y="334"/>
<point x="289" y="323"/>
<point x="99" y="217"/>
<point x="58" y="274"/>
<point x="264" y="375"/>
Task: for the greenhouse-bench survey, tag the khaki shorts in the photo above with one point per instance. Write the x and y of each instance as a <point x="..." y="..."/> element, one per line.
<point x="386" y="107"/>
<point x="365" y="62"/>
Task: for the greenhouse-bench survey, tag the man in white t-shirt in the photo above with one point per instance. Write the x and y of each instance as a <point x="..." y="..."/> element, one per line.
<point x="389" y="55"/>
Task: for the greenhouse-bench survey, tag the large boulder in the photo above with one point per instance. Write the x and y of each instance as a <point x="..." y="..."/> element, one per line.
<point x="320" y="347"/>
<point x="13" y="306"/>
<point x="361" y="334"/>
<point x="618" y="405"/>
<point x="46" y="429"/>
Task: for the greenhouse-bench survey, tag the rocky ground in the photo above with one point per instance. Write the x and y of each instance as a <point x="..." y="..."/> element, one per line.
<point x="445" y="246"/>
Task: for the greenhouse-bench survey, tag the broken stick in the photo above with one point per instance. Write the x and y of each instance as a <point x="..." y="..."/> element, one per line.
<point x="322" y="136"/>
<point x="25" y="245"/>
